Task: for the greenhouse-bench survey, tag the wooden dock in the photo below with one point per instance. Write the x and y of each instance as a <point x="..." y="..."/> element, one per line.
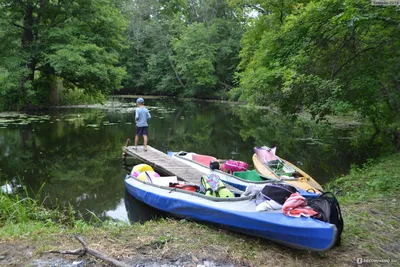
<point x="162" y="162"/>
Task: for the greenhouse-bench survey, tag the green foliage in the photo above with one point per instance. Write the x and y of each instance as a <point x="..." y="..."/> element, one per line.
<point x="196" y="66"/>
<point x="79" y="96"/>
<point x="11" y="67"/>
<point x="377" y="178"/>
<point x="182" y="47"/>
<point x="10" y="97"/>
<point x="77" y="43"/>
<point x="325" y="57"/>
<point x="160" y="76"/>
<point x="14" y="209"/>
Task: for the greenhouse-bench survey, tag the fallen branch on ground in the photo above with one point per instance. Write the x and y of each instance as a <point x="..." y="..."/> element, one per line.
<point x="87" y="250"/>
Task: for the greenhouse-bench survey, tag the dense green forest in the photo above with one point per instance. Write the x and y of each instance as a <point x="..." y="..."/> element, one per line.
<point x="323" y="57"/>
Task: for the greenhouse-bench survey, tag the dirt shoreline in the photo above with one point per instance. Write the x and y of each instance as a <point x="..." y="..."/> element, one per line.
<point x="176" y="243"/>
<point x="27" y="252"/>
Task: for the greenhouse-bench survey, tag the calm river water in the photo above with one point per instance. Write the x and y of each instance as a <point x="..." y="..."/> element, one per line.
<point x="76" y="152"/>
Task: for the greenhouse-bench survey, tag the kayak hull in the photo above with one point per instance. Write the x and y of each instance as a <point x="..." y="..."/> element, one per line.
<point x="236" y="214"/>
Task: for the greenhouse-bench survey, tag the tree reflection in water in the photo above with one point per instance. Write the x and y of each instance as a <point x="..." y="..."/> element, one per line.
<point x="76" y="153"/>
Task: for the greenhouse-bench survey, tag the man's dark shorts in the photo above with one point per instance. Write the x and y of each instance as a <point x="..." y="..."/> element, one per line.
<point x="141" y="131"/>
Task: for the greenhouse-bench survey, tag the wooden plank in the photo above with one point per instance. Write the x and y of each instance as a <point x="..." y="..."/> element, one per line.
<point x="162" y="162"/>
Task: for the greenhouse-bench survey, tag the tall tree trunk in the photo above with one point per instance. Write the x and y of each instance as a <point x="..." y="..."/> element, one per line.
<point x="27" y="38"/>
<point x="54" y="89"/>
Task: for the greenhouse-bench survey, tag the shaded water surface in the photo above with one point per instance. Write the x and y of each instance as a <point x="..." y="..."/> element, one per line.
<point x="76" y="152"/>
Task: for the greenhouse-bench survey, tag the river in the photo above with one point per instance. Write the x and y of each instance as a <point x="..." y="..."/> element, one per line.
<point x="76" y="152"/>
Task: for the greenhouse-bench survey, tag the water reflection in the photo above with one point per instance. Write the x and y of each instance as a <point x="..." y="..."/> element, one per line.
<point x="139" y="211"/>
<point x="6" y="189"/>
<point x="76" y="153"/>
<point x="120" y="212"/>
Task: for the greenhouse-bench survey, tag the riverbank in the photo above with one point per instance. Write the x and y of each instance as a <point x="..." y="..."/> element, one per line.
<point x="368" y="197"/>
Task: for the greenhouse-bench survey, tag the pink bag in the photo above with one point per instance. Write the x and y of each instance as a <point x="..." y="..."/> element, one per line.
<point x="234" y="166"/>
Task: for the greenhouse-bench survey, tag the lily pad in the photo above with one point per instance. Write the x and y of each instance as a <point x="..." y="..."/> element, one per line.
<point x="10" y="115"/>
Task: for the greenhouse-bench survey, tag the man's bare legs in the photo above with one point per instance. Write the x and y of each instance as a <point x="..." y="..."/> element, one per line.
<point x="145" y="142"/>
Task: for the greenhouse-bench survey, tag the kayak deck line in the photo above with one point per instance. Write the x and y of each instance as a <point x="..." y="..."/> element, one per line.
<point x="160" y="161"/>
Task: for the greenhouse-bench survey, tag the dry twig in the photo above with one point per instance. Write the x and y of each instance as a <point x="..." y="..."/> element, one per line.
<point x="87" y="250"/>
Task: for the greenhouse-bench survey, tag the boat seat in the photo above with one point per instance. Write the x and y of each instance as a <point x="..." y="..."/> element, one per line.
<point x="273" y="163"/>
<point x="249" y="176"/>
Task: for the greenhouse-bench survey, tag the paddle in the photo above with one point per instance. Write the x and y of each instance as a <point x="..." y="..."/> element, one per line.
<point x="269" y="179"/>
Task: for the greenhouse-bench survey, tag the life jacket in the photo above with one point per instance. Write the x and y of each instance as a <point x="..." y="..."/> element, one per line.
<point x="192" y="188"/>
<point x="212" y="185"/>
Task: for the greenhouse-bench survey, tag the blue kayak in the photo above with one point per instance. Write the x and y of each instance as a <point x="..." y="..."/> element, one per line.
<point x="238" y="214"/>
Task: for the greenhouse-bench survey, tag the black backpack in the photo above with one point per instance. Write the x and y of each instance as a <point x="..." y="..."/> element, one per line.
<point x="329" y="211"/>
<point x="278" y="192"/>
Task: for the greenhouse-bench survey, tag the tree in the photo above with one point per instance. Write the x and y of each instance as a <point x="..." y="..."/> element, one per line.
<point x="76" y="42"/>
<point x="182" y="47"/>
<point x="195" y="57"/>
<point x="325" y="57"/>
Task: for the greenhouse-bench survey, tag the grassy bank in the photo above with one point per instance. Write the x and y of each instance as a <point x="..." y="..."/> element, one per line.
<point x="368" y="197"/>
